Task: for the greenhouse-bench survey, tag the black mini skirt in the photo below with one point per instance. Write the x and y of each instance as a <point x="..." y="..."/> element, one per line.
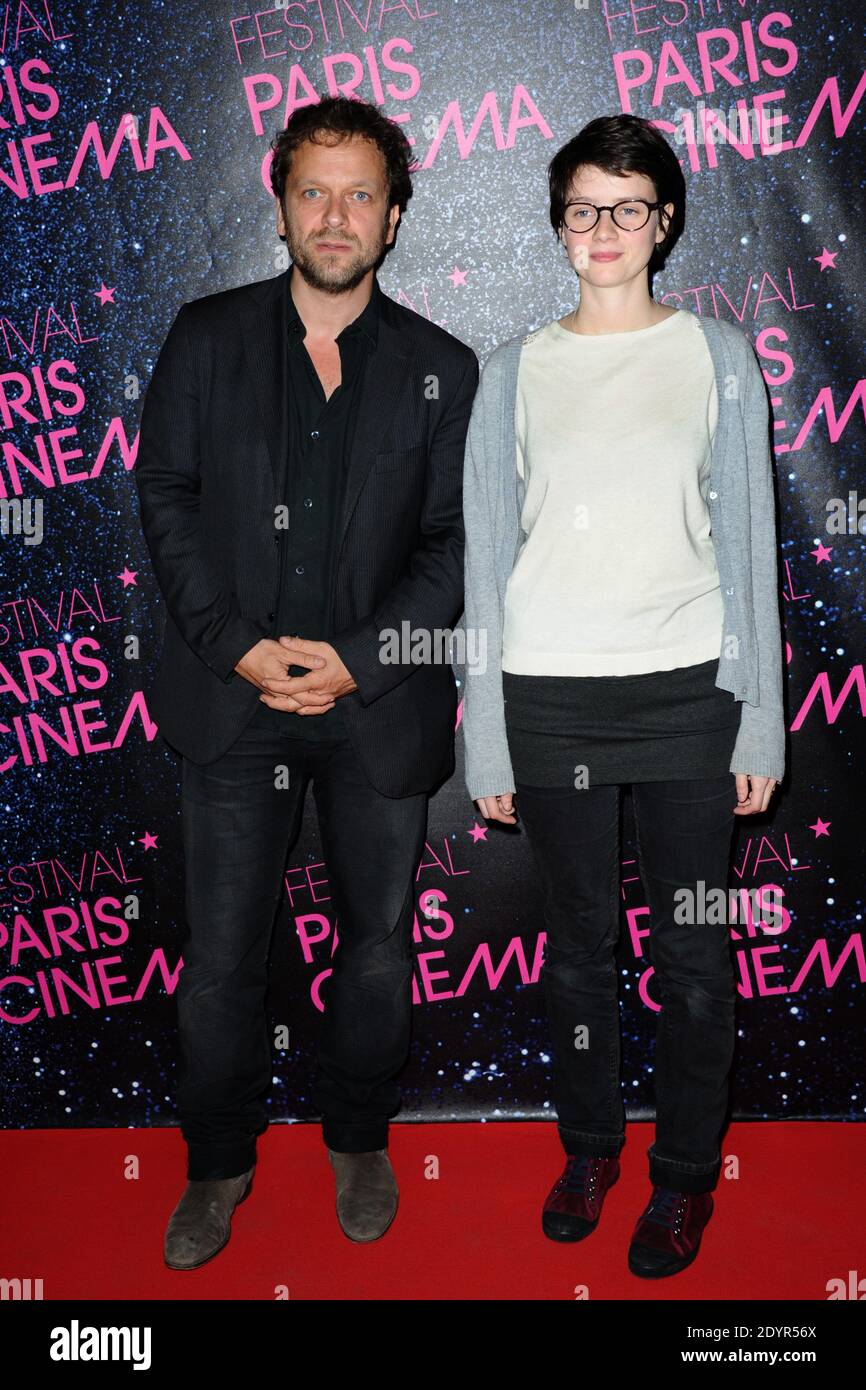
<point x="655" y="727"/>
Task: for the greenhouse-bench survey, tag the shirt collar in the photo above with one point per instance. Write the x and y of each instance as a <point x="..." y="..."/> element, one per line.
<point x="367" y="321"/>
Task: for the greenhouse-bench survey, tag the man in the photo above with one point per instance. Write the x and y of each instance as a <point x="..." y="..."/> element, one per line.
<point x="300" y="477"/>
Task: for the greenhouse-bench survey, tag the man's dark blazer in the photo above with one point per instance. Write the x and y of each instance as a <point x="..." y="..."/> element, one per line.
<point x="210" y="470"/>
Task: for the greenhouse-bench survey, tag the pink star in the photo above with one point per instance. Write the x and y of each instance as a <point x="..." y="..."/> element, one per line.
<point x="457" y="277"/>
<point x="105" y="295"/>
<point x="822" y="554"/>
<point x="148" y="840"/>
<point x="826" y="259"/>
<point x="128" y="576"/>
<point x="478" y="832"/>
<point x="821" y="827"/>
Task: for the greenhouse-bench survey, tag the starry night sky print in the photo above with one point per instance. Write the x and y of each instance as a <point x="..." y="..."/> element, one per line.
<point x="116" y="257"/>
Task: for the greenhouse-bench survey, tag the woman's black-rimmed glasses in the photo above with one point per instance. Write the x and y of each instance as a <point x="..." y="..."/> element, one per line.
<point x="630" y="214"/>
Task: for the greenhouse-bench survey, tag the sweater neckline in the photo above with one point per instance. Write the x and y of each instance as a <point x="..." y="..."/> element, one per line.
<point x="561" y="332"/>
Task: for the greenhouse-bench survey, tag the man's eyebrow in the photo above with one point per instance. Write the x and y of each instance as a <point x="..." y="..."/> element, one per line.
<point x="355" y="183"/>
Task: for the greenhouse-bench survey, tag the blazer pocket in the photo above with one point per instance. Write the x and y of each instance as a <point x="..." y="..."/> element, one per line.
<point x="398" y="458"/>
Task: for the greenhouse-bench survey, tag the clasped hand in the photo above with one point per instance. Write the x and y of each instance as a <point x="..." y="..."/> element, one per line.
<point x="266" y="666"/>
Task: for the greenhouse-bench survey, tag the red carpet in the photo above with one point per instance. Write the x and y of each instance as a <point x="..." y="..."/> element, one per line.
<point x="791" y="1221"/>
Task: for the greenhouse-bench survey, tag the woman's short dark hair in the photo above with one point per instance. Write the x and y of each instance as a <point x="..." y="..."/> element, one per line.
<point x="344" y="117"/>
<point x="623" y="144"/>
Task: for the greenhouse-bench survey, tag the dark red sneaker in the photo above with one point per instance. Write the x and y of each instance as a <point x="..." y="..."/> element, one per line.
<point x="668" y="1234"/>
<point x="573" y="1208"/>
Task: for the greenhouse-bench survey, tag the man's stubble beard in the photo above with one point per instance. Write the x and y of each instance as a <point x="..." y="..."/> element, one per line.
<point x="342" y="276"/>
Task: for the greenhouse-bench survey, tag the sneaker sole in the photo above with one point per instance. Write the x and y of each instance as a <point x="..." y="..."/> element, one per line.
<point x="666" y="1273"/>
<point x="570" y="1239"/>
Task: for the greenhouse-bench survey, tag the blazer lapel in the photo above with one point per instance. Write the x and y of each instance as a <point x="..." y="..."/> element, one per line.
<point x="385" y="371"/>
<point x="263" y="330"/>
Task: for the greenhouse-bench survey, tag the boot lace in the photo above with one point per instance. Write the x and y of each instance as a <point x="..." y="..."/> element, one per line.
<point x="581" y="1173"/>
<point x="667" y="1208"/>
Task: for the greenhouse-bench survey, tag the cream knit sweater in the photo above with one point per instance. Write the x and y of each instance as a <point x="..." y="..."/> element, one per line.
<point x="617" y="574"/>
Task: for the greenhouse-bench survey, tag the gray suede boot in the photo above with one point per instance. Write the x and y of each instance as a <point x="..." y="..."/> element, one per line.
<point x="366" y="1193"/>
<point x="201" y="1223"/>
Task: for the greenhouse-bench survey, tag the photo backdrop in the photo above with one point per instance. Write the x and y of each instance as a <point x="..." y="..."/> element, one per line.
<point x="133" y="176"/>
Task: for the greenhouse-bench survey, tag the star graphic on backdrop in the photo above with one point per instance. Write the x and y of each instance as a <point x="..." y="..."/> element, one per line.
<point x="821" y="827"/>
<point x="128" y="576"/>
<point x="457" y="277"/>
<point x="148" y="840"/>
<point x="104" y="294"/>
<point x="826" y="259"/>
<point x="822" y="554"/>
<point x="478" y="832"/>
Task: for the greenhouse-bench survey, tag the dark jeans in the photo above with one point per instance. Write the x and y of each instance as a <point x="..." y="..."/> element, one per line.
<point x="683" y="834"/>
<point x="238" y="828"/>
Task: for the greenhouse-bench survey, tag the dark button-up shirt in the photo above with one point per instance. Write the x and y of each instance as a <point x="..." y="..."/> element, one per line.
<point x="320" y="434"/>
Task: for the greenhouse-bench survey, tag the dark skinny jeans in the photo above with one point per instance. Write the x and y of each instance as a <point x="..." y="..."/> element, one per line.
<point x="684" y="831"/>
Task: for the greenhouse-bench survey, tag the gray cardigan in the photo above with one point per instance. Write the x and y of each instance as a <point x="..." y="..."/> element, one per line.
<point x="743" y="520"/>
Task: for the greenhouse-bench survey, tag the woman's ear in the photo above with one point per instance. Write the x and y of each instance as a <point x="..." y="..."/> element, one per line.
<point x="665" y="222"/>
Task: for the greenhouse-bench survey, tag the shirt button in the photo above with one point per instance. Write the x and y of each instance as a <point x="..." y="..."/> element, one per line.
<point x="270" y="617"/>
<point x="714" y="494"/>
<point x="299" y="569"/>
<point x="308" y="501"/>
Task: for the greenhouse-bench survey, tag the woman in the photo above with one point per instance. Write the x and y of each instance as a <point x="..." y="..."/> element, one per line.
<point x="621" y="560"/>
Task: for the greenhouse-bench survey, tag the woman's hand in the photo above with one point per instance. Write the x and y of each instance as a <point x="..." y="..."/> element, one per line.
<point x="757" y="798"/>
<point x="498" y="807"/>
